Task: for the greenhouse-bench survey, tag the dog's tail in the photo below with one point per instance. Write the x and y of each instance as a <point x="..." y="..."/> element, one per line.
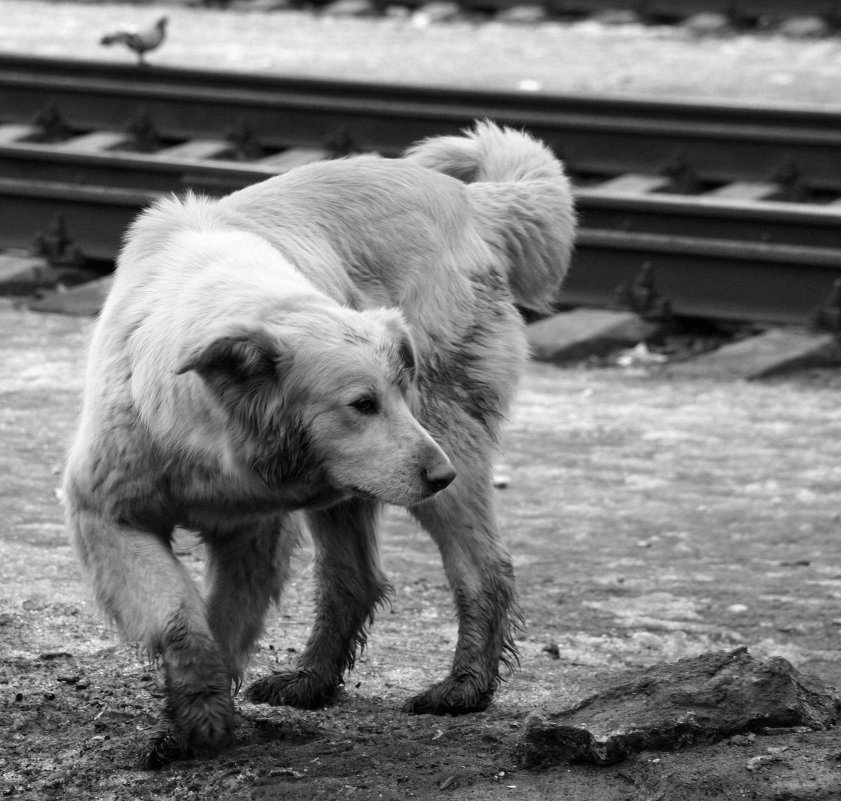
<point x="522" y="199"/>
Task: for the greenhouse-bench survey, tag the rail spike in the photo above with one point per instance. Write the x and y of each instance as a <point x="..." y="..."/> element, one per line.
<point x="145" y="137"/>
<point x="341" y="144"/>
<point x="681" y="173"/>
<point x="794" y="187"/>
<point x="642" y="297"/>
<point x="246" y="146"/>
<point x="51" y="123"/>
<point x="57" y="247"/>
<point x="828" y="315"/>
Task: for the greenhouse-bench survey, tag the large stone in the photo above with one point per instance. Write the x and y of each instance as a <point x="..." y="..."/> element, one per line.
<point x="773" y="352"/>
<point x="84" y="300"/>
<point x="21" y="274"/>
<point x="708" y="23"/>
<point x="586" y="332"/>
<point x="436" y="11"/>
<point x="526" y="14"/>
<point x="804" y="27"/>
<point x="349" y="8"/>
<point x="670" y="706"/>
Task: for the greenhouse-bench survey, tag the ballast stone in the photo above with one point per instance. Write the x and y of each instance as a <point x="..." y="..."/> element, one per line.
<point x="698" y="700"/>
<point x="577" y="334"/>
<point x="774" y="352"/>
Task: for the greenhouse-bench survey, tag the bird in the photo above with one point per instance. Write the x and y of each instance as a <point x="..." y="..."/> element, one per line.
<point x="142" y="41"/>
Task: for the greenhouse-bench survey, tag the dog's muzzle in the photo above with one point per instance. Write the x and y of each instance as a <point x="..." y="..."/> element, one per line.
<point x="439" y="477"/>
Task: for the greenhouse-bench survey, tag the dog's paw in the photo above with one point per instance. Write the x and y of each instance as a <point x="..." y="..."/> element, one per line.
<point x="450" y="697"/>
<point x="204" y="719"/>
<point x="299" y="688"/>
<point x="195" y="724"/>
<point x="164" y="745"/>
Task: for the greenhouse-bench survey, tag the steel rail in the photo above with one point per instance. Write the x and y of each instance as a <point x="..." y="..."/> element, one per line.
<point x="709" y="278"/>
<point x="678" y="9"/>
<point x="714" y="253"/>
<point x="765" y="222"/>
<point x="712" y="142"/>
<point x="96" y="216"/>
<point x="700" y="276"/>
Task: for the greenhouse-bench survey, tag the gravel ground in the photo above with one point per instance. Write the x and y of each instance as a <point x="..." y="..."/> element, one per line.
<point x="650" y="518"/>
<point x="549" y="57"/>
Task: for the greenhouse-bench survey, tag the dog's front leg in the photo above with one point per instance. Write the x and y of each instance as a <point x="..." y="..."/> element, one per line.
<point x="141" y="585"/>
<point x="349" y="586"/>
<point x="462" y="522"/>
<point x="246" y="571"/>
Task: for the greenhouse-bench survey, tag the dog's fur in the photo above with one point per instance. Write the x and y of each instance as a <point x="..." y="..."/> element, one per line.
<point x="313" y="346"/>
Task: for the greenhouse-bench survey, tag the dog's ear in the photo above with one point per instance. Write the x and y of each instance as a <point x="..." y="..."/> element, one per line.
<point x="237" y="355"/>
<point x="399" y="330"/>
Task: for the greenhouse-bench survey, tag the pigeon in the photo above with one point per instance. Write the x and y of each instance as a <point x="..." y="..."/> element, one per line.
<point x="141" y="42"/>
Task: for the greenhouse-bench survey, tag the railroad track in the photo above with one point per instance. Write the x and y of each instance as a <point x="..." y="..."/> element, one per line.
<point x="749" y="11"/>
<point x="699" y="210"/>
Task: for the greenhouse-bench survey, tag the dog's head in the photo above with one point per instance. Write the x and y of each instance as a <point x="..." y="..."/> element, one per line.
<point x="318" y="405"/>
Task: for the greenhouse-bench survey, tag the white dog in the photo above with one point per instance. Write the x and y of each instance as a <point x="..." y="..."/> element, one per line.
<point x="332" y="339"/>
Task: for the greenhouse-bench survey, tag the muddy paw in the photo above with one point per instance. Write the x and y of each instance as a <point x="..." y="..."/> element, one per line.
<point x="450" y="697"/>
<point x="298" y="688"/>
<point x="205" y="720"/>
<point x="197" y="724"/>
<point x="163" y="746"/>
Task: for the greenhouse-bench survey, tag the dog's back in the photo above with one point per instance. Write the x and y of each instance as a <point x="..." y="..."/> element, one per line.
<point x="417" y="232"/>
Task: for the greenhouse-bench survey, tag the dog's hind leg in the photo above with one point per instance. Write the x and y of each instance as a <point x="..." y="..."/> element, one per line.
<point x="462" y="521"/>
<point x="246" y="571"/>
<point x="349" y="586"/>
<point x="145" y="589"/>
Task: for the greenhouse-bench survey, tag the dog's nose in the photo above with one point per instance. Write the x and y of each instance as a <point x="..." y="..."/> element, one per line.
<point x="440" y="476"/>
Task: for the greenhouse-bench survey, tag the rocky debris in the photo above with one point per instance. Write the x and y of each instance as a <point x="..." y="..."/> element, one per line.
<point x="84" y="300"/>
<point x="804" y="27"/>
<point x="349" y="8"/>
<point x="436" y="12"/>
<point x="22" y="274"/>
<point x="526" y="14"/>
<point x="708" y="23"/>
<point x="586" y="332"/>
<point x="774" y="352"/>
<point x="625" y="339"/>
<point x="670" y="706"/>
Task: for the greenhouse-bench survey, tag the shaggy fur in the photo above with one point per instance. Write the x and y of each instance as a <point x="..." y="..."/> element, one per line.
<point x="304" y="351"/>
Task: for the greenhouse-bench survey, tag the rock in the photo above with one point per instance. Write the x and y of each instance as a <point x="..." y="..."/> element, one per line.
<point x="81" y="301"/>
<point x="19" y="274"/>
<point x="708" y="24"/>
<point x="262" y="6"/>
<point x="522" y="15"/>
<point x="436" y="11"/>
<point x="397" y="12"/>
<point x="670" y="706"/>
<point x="617" y="16"/>
<point x="350" y="8"/>
<point x="774" y="352"/>
<point x="586" y="332"/>
<point x="804" y="28"/>
<point x="23" y="274"/>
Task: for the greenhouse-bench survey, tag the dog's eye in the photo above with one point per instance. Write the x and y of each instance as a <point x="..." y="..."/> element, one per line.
<point x="367" y="404"/>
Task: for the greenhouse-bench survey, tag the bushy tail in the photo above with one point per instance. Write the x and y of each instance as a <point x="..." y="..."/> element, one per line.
<point x="522" y="199"/>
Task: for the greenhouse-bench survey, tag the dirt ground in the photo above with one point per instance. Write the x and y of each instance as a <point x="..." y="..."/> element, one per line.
<point x="650" y="519"/>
